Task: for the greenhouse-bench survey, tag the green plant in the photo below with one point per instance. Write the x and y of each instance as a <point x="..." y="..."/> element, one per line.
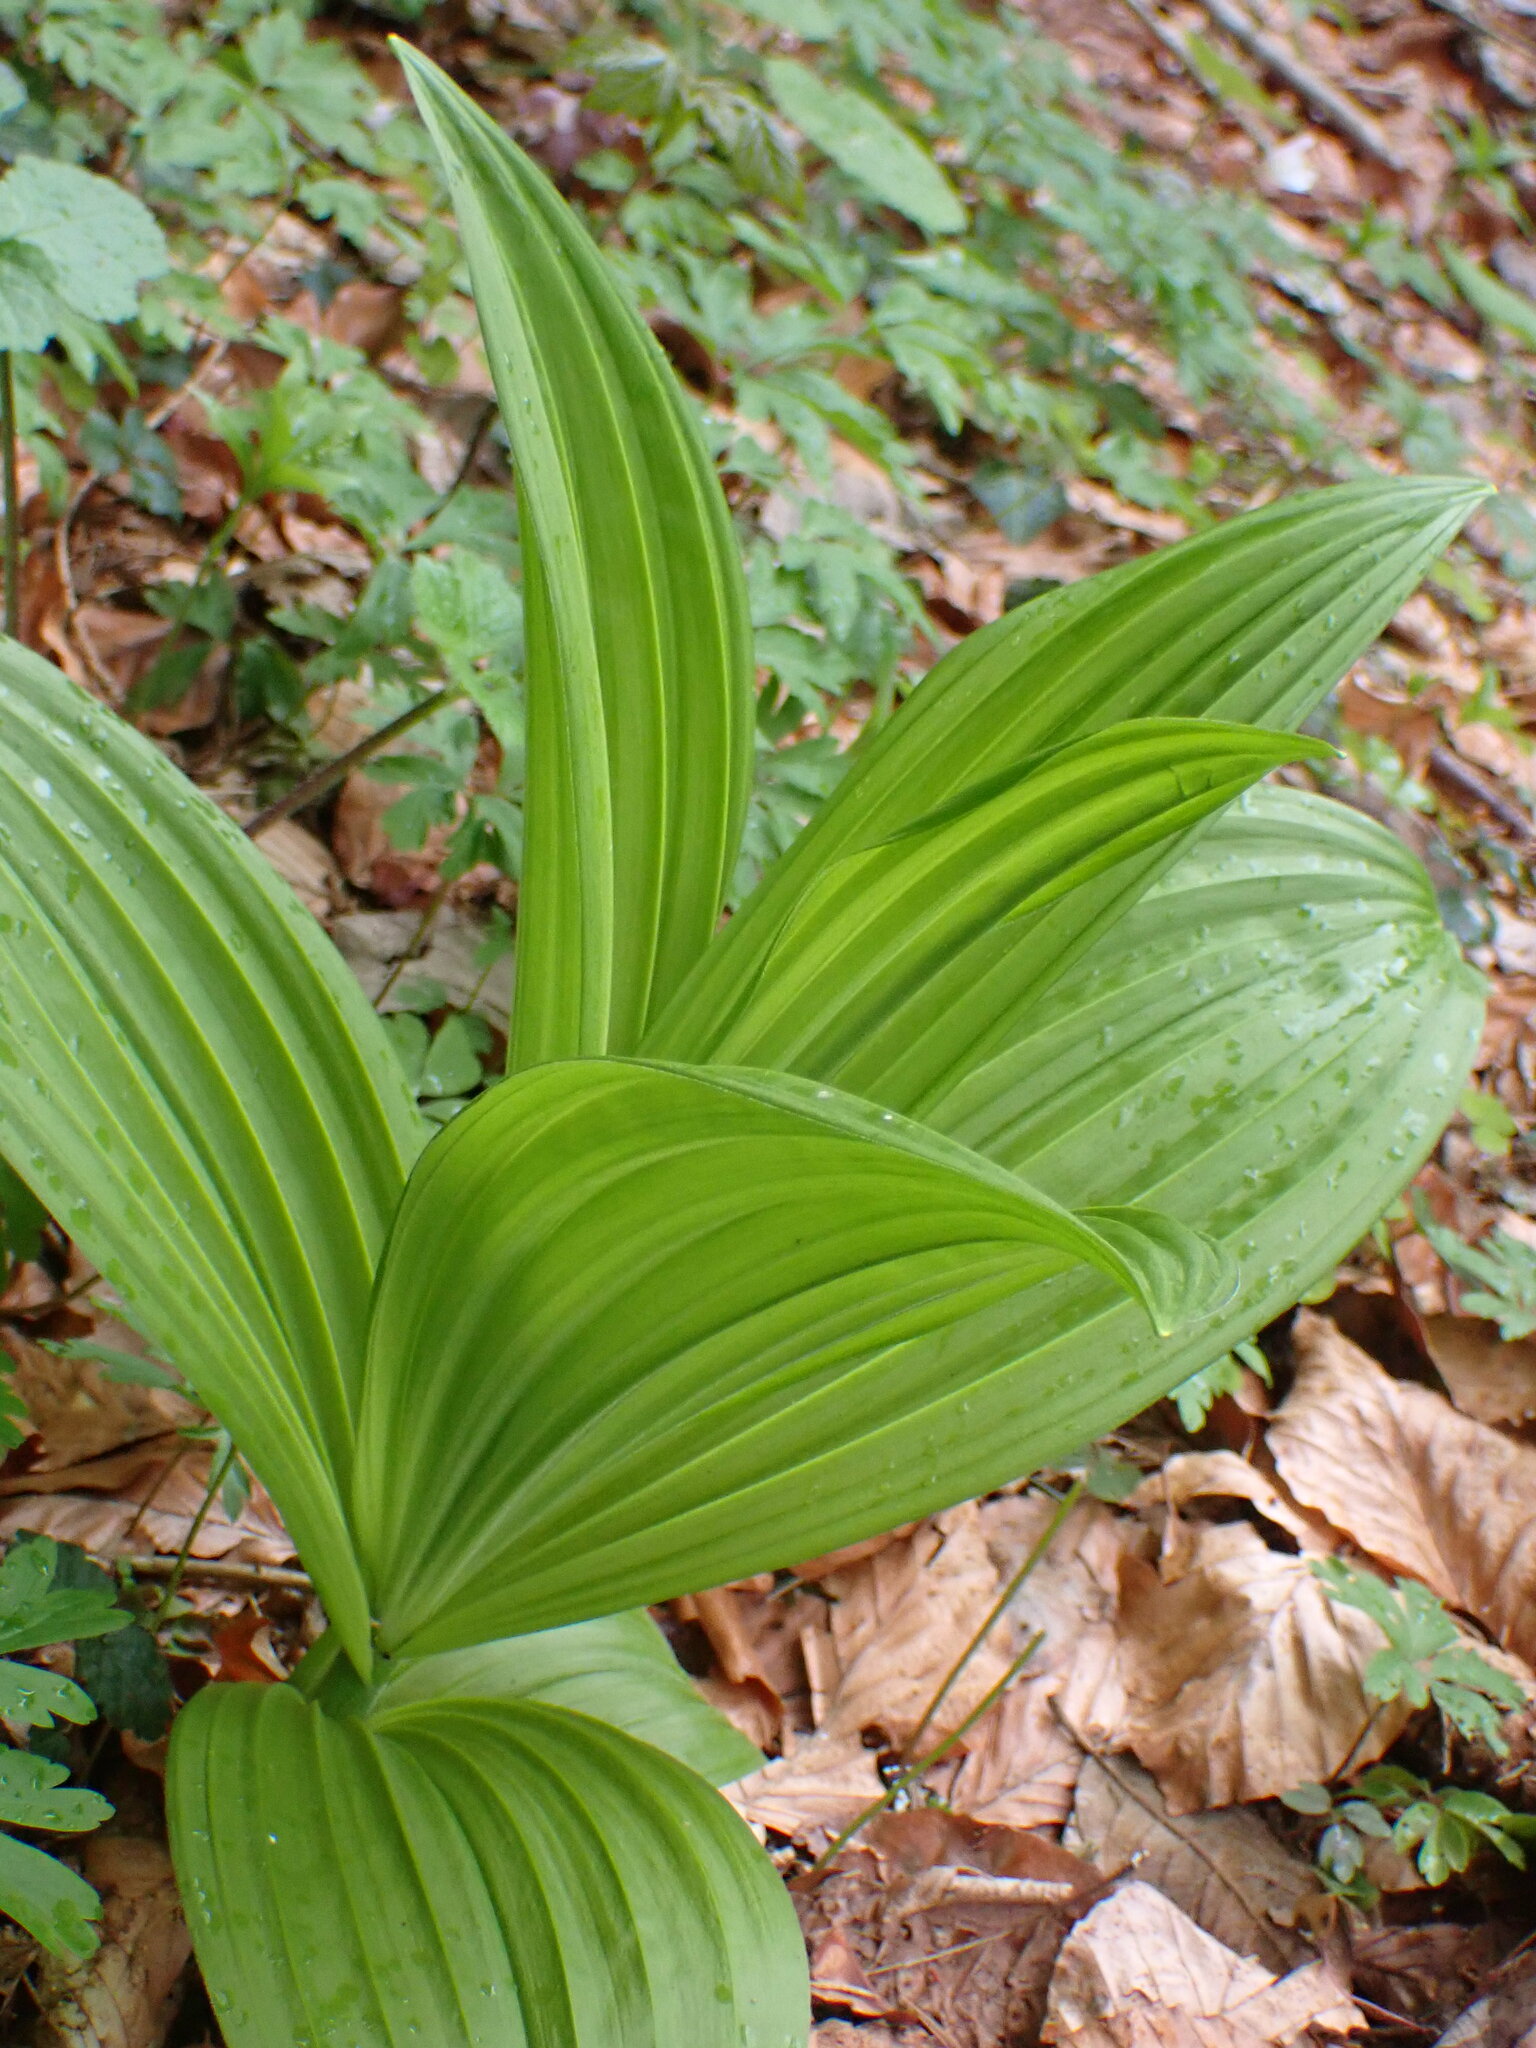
<point x="1195" y="1397"/>
<point x="36" y="1889"/>
<point x="1502" y="1262"/>
<point x="1441" y="1829"/>
<point x="1426" y="1659"/>
<point x="1035" y="1073"/>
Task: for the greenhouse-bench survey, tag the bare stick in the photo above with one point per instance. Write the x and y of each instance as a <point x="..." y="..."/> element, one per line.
<point x="12" y="496"/>
<point x="329" y="773"/>
<point x="1336" y="109"/>
<point x="1047" y="1537"/>
<point x="218" y="1571"/>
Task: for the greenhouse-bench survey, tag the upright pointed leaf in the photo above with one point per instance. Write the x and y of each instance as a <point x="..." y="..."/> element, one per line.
<point x="639" y="664"/>
<point x="193" y="1081"/>
<point x="462" y="1873"/>
<point x="1253" y="621"/>
<point x="617" y="1669"/>
<point x="631" y="1277"/>
<point x="892" y="941"/>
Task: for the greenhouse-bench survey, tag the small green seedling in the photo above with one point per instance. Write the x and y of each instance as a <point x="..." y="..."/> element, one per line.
<point x="1047" y="1063"/>
<point x="1442" y="1830"/>
<point x="1504" y="1265"/>
<point x="1427" y="1659"/>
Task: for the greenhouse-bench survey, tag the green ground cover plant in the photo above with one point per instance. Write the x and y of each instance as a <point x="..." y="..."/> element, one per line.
<point x="1051" y="1061"/>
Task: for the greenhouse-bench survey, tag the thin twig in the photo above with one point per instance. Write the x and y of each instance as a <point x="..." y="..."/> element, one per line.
<point x="418" y="940"/>
<point x="1252" y="126"/>
<point x="329" y="773"/>
<point x="1047" y="1537"/>
<point x="12" y="496"/>
<point x="938" y="1954"/>
<point x="915" y="1770"/>
<point x="1336" y="109"/>
<point x="178" y="1569"/>
<point x="218" y="1571"/>
<point x="461" y="474"/>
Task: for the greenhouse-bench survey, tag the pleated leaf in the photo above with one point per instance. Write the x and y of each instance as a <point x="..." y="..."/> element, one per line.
<point x="889" y="940"/>
<point x="617" y="1669"/>
<point x="193" y="1082"/>
<point x="632" y="1278"/>
<point x="466" y="1873"/>
<point x="1252" y="621"/>
<point x="639" y="663"/>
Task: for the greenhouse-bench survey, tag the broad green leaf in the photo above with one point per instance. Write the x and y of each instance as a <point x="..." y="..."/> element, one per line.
<point x="48" y="1899"/>
<point x="862" y="139"/>
<point x="617" y="1669"/>
<point x="194" y="1083"/>
<point x="33" y="1696"/>
<point x="455" y="1872"/>
<point x="631" y="1276"/>
<point x="638" y="665"/>
<point x="33" y="1794"/>
<point x="1489" y="297"/>
<point x="892" y="938"/>
<point x="98" y="242"/>
<point x="33" y="1611"/>
<point x="1253" y="621"/>
<point x="1265" y="1046"/>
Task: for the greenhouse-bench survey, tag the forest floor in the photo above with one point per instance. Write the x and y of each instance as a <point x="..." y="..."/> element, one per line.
<point x="1100" y="1755"/>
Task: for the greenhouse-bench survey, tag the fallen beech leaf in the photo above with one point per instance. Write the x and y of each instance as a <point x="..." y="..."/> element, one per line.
<point x="842" y="2034"/>
<point x="304" y="861"/>
<point x="1425" y="1490"/>
<point x="812" y="1794"/>
<point x="1223" y="1475"/>
<point x="1225" y="1869"/>
<point x="1242" y="1678"/>
<point x="838" y="1979"/>
<point x="123" y="1995"/>
<point x="1490" y="1379"/>
<point x="80" y="1413"/>
<point x="1138" y="1971"/>
<point x="901" y="1618"/>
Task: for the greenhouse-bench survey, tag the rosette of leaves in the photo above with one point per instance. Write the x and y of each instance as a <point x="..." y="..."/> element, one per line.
<point x="1042" y="1068"/>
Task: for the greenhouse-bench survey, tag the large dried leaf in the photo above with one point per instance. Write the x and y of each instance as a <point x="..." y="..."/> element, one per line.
<point x="1225" y="1869"/>
<point x="1138" y="1973"/>
<point x="1425" y="1490"/>
<point x="1241" y="1678"/>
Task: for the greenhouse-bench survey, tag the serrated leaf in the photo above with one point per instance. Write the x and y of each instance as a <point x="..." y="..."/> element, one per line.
<point x="34" y="1612"/>
<point x="48" y="1899"/>
<point x="631" y="1276"/>
<point x="33" y="1696"/>
<point x="33" y="1794"/>
<point x="1253" y="621"/>
<point x="617" y="1669"/>
<point x="193" y="1081"/>
<point x="862" y="139"/>
<point x="464" y="1870"/>
<point x="638" y="669"/>
<point x="99" y="242"/>
<point x="128" y="1678"/>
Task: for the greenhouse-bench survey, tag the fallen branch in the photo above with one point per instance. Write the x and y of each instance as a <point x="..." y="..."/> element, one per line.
<point x="218" y="1571"/>
<point x="1334" y="108"/>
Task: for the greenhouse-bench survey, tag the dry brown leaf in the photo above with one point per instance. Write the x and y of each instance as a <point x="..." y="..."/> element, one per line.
<point x="1242" y="1679"/>
<point x="1423" y="1489"/>
<point x="1225" y="1869"/>
<point x="1138" y="1971"/>
<point x="811" y="1794"/>
<point x="843" y="2034"/>
<point x="144" y="1499"/>
<point x="1491" y="1378"/>
<point x="899" y="1621"/>
<point x="78" y="1412"/>
<point x="123" y="1996"/>
<point x="1221" y="1475"/>
<point x="304" y="861"/>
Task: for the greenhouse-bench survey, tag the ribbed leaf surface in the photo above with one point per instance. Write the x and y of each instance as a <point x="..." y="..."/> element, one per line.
<point x="1253" y="621"/>
<point x="618" y="1669"/>
<point x="192" y="1080"/>
<point x="890" y="942"/>
<point x="469" y="1874"/>
<point x="639" y="663"/>
<point x="632" y="1278"/>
